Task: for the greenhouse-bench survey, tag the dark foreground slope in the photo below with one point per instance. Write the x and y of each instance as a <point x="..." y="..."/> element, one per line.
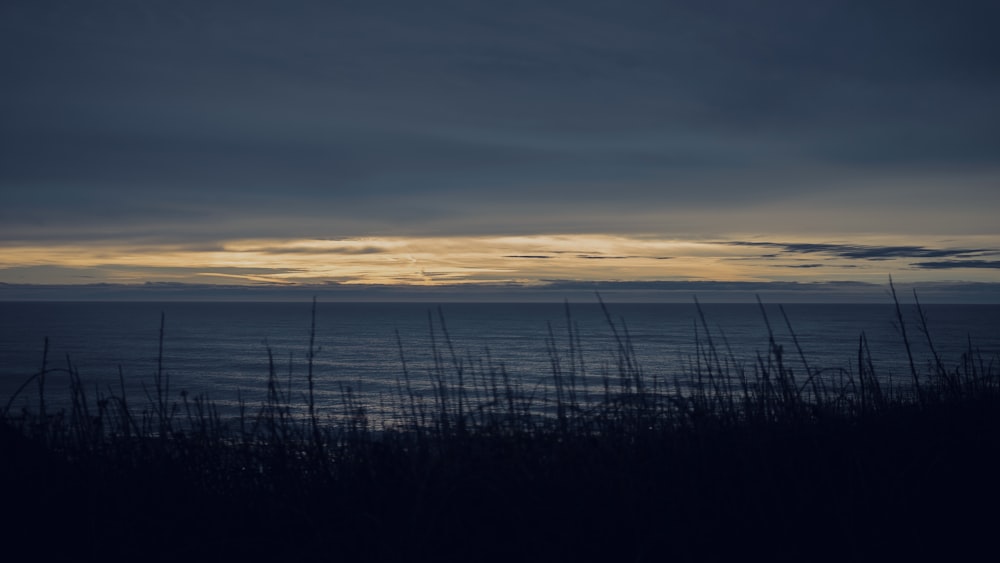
<point x="907" y="481"/>
<point x="762" y="462"/>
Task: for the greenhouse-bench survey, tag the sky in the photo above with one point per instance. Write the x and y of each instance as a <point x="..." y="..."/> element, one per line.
<point x="472" y="145"/>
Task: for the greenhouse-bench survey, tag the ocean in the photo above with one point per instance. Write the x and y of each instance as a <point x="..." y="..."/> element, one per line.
<point x="221" y="350"/>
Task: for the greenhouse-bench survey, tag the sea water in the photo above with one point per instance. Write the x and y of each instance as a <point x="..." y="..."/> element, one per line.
<point x="375" y="355"/>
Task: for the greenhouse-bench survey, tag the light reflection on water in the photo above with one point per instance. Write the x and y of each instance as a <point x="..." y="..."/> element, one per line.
<point x="220" y="349"/>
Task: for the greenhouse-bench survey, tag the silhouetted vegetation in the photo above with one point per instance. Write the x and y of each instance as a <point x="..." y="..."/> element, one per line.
<point x="779" y="459"/>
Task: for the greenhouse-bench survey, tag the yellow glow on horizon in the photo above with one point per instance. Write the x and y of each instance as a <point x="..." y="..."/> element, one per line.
<point x="463" y="260"/>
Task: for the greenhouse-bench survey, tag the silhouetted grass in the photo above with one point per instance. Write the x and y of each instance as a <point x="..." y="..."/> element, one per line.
<point x="779" y="459"/>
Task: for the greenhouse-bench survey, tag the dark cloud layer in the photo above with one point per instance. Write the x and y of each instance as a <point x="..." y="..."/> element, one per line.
<point x="190" y="120"/>
<point x="953" y="264"/>
<point x="868" y="252"/>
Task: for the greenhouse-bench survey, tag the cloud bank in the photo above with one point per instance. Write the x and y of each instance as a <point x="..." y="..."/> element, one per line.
<point x="192" y="121"/>
<point x="400" y="142"/>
